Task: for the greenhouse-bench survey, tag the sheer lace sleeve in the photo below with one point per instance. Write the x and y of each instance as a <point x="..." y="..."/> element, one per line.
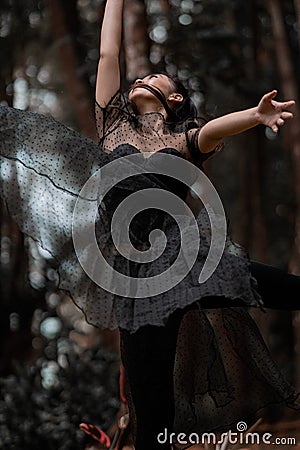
<point x="196" y="153"/>
<point x="108" y="117"/>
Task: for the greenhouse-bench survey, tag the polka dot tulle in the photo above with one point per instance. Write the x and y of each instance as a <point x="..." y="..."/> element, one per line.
<point x="44" y="166"/>
<point x="231" y="376"/>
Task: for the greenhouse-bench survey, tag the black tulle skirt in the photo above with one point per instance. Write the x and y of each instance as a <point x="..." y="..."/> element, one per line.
<point x="44" y="166"/>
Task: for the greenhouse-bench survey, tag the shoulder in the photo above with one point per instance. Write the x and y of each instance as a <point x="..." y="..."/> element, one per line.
<point x="194" y="148"/>
<point x="117" y="100"/>
<point x="109" y="116"/>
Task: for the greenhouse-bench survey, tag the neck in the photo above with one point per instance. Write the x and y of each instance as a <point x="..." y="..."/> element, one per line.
<point x="150" y="107"/>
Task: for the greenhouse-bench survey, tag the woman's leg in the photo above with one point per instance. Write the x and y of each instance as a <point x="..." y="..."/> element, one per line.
<point x="278" y="289"/>
<point x="148" y="357"/>
<point x="148" y="354"/>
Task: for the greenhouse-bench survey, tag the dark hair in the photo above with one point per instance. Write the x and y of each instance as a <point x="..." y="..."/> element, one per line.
<point x="185" y="110"/>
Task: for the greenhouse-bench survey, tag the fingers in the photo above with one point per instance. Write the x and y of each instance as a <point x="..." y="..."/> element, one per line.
<point x="270" y="95"/>
<point x="286" y="115"/>
<point x="288" y="104"/>
<point x="274" y="113"/>
<point x="280" y="122"/>
<point x="284" y="105"/>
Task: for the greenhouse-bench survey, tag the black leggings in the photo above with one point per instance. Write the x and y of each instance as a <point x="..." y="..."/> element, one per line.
<point x="278" y="289"/>
<point x="148" y="358"/>
<point x="148" y="355"/>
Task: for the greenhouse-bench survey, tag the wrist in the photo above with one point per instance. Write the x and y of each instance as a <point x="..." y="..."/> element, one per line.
<point x="257" y="119"/>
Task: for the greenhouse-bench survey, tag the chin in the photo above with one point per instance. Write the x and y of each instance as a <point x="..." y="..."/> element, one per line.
<point x="139" y="94"/>
<point x="138" y="99"/>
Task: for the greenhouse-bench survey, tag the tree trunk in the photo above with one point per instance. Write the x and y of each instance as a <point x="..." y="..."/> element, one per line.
<point x="165" y="6"/>
<point x="136" y="41"/>
<point x="254" y="170"/>
<point x="259" y="229"/>
<point x="297" y="8"/>
<point x="290" y="91"/>
<point x="252" y="224"/>
<point x="79" y="95"/>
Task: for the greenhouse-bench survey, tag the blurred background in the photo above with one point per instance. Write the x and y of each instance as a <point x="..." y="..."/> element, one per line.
<point x="55" y="370"/>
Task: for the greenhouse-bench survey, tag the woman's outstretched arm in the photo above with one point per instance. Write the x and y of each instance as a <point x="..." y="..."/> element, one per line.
<point x="108" y="76"/>
<point x="268" y="112"/>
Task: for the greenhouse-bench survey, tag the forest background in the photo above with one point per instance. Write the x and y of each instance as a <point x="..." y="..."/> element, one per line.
<point x="55" y="370"/>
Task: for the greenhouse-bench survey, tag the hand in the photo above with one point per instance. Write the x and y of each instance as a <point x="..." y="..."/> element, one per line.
<point x="272" y="113"/>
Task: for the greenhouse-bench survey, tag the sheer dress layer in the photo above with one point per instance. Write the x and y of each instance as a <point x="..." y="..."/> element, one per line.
<point x="44" y="166"/>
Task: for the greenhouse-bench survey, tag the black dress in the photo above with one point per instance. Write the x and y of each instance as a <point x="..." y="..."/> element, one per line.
<point x="44" y="166"/>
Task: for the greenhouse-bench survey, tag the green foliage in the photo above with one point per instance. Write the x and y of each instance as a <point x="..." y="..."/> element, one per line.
<point x="42" y="403"/>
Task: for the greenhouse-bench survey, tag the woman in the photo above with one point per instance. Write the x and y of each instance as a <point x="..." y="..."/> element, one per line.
<point x="149" y="353"/>
<point x="187" y="361"/>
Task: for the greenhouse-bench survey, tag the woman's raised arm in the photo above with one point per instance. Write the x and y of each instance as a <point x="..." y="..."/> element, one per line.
<point x="108" y="76"/>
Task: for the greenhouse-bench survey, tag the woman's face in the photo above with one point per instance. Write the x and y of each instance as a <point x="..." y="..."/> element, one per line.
<point x="159" y="81"/>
